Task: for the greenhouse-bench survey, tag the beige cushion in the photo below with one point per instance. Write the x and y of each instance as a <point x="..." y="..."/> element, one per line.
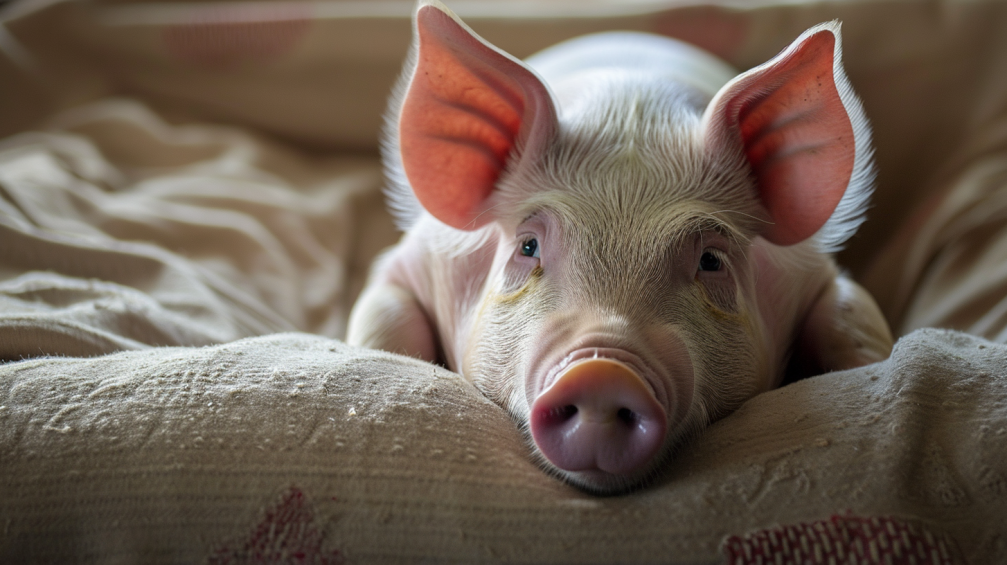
<point x="179" y="454"/>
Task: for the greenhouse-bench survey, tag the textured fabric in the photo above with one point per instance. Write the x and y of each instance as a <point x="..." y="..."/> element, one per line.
<point x="948" y="266"/>
<point x="120" y="231"/>
<point x="289" y="531"/>
<point x="301" y="442"/>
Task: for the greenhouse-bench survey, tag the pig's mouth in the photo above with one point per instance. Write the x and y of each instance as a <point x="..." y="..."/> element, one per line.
<point x="599" y="416"/>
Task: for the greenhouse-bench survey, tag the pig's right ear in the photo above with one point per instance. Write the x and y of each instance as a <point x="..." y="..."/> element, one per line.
<point x="467" y="108"/>
<point x="805" y="135"/>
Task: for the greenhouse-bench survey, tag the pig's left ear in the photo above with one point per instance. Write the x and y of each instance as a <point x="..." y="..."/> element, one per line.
<point x="804" y="134"/>
<point x="468" y="108"/>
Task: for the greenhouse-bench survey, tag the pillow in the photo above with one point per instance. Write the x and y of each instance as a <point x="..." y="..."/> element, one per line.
<point x="300" y="449"/>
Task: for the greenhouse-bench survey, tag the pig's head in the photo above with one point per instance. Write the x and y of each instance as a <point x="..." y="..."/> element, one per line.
<point x="618" y="311"/>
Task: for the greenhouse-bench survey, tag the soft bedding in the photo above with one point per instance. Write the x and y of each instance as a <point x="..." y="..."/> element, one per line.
<point x="270" y="447"/>
<point x="190" y="198"/>
<point x="121" y="232"/>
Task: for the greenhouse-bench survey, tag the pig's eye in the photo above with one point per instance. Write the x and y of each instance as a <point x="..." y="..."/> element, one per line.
<point x="709" y="262"/>
<point x="530" y="248"/>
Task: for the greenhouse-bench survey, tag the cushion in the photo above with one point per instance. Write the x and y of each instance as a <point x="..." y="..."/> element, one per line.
<point x="311" y="451"/>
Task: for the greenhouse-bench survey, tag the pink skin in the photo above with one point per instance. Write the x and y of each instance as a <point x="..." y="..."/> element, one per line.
<point x="614" y="286"/>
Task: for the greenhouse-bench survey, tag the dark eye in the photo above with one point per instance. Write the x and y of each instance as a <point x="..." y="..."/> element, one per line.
<point x="709" y="262"/>
<point x="530" y="248"/>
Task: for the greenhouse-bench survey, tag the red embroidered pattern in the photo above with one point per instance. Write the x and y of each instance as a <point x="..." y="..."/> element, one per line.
<point x="844" y="539"/>
<point x="287" y="535"/>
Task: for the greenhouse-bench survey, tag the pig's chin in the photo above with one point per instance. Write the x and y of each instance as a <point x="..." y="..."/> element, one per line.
<point x="607" y="484"/>
<point x="599" y="419"/>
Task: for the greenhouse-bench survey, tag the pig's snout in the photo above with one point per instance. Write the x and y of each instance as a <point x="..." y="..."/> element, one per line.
<point x="598" y="415"/>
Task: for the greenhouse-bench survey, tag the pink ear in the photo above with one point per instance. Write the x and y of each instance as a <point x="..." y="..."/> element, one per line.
<point x="467" y="107"/>
<point x="790" y="118"/>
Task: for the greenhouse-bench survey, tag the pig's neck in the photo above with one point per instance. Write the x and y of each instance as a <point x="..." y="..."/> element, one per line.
<point x="447" y="274"/>
<point x="788" y="280"/>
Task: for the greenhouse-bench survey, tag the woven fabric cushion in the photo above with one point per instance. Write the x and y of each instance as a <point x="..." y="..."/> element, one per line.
<point x="319" y="452"/>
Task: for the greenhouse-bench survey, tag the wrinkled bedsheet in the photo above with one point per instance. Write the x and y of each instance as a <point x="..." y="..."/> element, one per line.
<point x="121" y="232"/>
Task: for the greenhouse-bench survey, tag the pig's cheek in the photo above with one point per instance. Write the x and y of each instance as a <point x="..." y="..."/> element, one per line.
<point x="500" y="334"/>
<point x="489" y="363"/>
<point x="719" y="291"/>
<point x="728" y="360"/>
<point x="517" y="287"/>
<point x="518" y="277"/>
<point x="681" y="373"/>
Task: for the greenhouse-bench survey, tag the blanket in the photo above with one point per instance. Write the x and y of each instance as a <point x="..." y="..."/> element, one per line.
<point x="121" y="232"/>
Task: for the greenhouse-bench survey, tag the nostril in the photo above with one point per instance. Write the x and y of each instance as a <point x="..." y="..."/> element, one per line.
<point x="627" y="416"/>
<point x="561" y="414"/>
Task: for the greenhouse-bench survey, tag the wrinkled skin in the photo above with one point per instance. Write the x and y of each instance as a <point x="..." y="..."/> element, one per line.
<point x="641" y="260"/>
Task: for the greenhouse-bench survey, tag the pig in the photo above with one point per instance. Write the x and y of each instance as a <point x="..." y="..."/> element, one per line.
<point x="620" y="239"/>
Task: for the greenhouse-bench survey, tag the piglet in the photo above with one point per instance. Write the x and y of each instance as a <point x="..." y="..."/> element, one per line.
<point x="620" y="239"/>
